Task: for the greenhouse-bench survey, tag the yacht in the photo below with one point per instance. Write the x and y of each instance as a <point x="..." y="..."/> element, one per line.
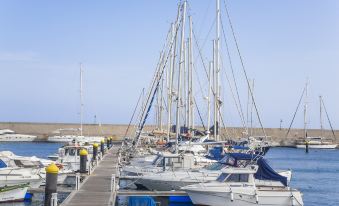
<point x="7" y="135"/>
<point x="237" y="187"/>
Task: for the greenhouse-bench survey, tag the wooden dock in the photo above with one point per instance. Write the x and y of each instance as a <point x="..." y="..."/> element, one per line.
<point x="96" y="188"/>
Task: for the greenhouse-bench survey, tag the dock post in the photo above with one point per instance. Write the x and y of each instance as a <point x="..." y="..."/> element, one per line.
<point x="113" y="183"/>
<point x="51" y="183"/>
<point x="107" y="142"/>
<point x="111" y="141"/>
<point x="54" y="199"/>
<point x="77" y="181"/>
<point x="95" y="151"/>
<point x="83" y="161"/>
<point x="102" y="147"/>
<point x="306" y="146"/>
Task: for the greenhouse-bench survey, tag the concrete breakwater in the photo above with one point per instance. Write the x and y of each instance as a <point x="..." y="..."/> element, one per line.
<point x="43" y="130"/>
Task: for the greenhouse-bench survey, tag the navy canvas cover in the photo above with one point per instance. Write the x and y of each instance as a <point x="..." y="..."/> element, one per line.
<point x="265" y="172"/>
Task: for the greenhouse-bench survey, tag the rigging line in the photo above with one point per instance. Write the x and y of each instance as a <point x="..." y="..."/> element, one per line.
<point x="328" y="117"/>
<point x="151" y="94"/>
<point x="202" y="122"/>
<point x="295" y="113"/>
<point x="199" y="82"/>
<point x="234" y="98"/>
<point x="244" y="70"/>
<point x="200" y="52"/>
<point x="234" y="80"/>
<point x="134" y="111"/>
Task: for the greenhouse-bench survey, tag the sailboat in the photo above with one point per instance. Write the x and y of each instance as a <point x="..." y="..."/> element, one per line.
<point x="77" y="138"/>
<point x="319" y="142"/>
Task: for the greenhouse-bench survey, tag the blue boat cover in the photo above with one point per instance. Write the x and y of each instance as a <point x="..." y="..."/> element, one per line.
<point x="240" y="147"/>
<point x="141" y="201"/>
<point x="265" y="172"/>
<point x="2" y="164"/>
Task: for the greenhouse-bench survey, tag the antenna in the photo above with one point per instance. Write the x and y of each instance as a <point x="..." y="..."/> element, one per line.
<point x="81" y="100"/>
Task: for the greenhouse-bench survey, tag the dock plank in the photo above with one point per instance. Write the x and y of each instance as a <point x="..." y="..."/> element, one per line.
<point x="96" y="188"/>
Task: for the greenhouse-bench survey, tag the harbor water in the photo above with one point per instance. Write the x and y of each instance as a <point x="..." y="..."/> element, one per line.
<point x="315" y="174"/>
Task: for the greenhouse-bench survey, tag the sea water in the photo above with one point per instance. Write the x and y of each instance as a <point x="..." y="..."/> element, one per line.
<point x="315" y="174"/>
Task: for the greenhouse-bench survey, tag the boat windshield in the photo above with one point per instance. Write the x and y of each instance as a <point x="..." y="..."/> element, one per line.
<point x="237" y="178"/>
<point x="222" y="177"/>
<point x="215" y="166"/>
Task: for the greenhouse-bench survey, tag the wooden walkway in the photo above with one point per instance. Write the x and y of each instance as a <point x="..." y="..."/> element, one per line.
<point x="96" y="189"/>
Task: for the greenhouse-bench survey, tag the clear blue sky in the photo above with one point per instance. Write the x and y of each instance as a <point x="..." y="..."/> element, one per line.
<point x="42" y="43"/>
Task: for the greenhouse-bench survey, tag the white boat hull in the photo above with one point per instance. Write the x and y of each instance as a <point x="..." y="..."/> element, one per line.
<point x="17" y="138"/>
<point x="317" y="146"/>
<point x="13" y="195"/>
<point x="267" y="198"/>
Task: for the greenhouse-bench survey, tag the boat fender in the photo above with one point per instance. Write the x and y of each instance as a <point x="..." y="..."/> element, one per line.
<point x="232" y="196"/>
<point x="256" y="198"/>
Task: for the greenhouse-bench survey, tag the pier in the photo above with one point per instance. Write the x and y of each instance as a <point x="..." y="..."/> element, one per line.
<point x="97" y="189"/>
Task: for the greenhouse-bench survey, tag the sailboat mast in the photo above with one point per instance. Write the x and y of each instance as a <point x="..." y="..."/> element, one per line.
<point x="217" y="64"/>
<point x="81" y="100"/>
<point x="209" y="97"/>
<point x="305" y="110"/>
<point x="181" y="64"/>
<point x="190" y="70"/>
<point x="171" y="73"/>
<point x="215" y="93"/>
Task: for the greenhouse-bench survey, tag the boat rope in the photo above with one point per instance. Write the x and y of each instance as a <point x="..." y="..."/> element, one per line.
<point x="239" y="107"/>
<point x="328" y="118"/>
<point x="295" y="113"/>
<point x="134" y="111"/>
<point x="244" y="70"/>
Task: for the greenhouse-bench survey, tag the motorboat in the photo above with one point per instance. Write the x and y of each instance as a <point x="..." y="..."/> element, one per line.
<point x="13" y="193"/>
<point x="175" y="179"/>
<point x="15" y="171"/>
<point x="25" y="164"/>
<point x="237" y="187"/>
<point x="69" y="156"/>
<point x="7" y="135"/>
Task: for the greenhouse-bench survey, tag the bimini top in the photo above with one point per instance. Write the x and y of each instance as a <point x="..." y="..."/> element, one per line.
<point x="264" y="172"/>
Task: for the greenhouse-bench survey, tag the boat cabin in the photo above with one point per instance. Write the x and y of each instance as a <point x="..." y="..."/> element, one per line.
<point x="238" y="175"/>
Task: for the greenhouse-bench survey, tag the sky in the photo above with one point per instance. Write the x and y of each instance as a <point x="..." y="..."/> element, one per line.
<point x="118" y="42"/>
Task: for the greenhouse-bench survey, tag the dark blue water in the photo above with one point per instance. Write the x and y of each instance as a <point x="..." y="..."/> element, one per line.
<point x="39" y="149"/>
<point x="315" y="174"/>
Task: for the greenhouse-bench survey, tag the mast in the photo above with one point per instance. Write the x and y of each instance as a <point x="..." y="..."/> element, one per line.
<point x="81" y="100"/>
<point x="217" y="64"/>
<point x="171" y="73"/>
<point x="209" y="97"/>
<point x="215" y="93"/>
<point x="305" y="110"/>
<point x="190" y="77"/>
<point x="181" y="64"/>
<point x="321" y="116"/>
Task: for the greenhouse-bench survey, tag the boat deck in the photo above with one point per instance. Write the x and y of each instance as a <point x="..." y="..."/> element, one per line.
<point x="96" y="189"/>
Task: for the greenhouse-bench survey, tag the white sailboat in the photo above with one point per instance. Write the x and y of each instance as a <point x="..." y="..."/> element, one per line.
<point x="319" y="142"/>
<point x="77" y="138"/>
